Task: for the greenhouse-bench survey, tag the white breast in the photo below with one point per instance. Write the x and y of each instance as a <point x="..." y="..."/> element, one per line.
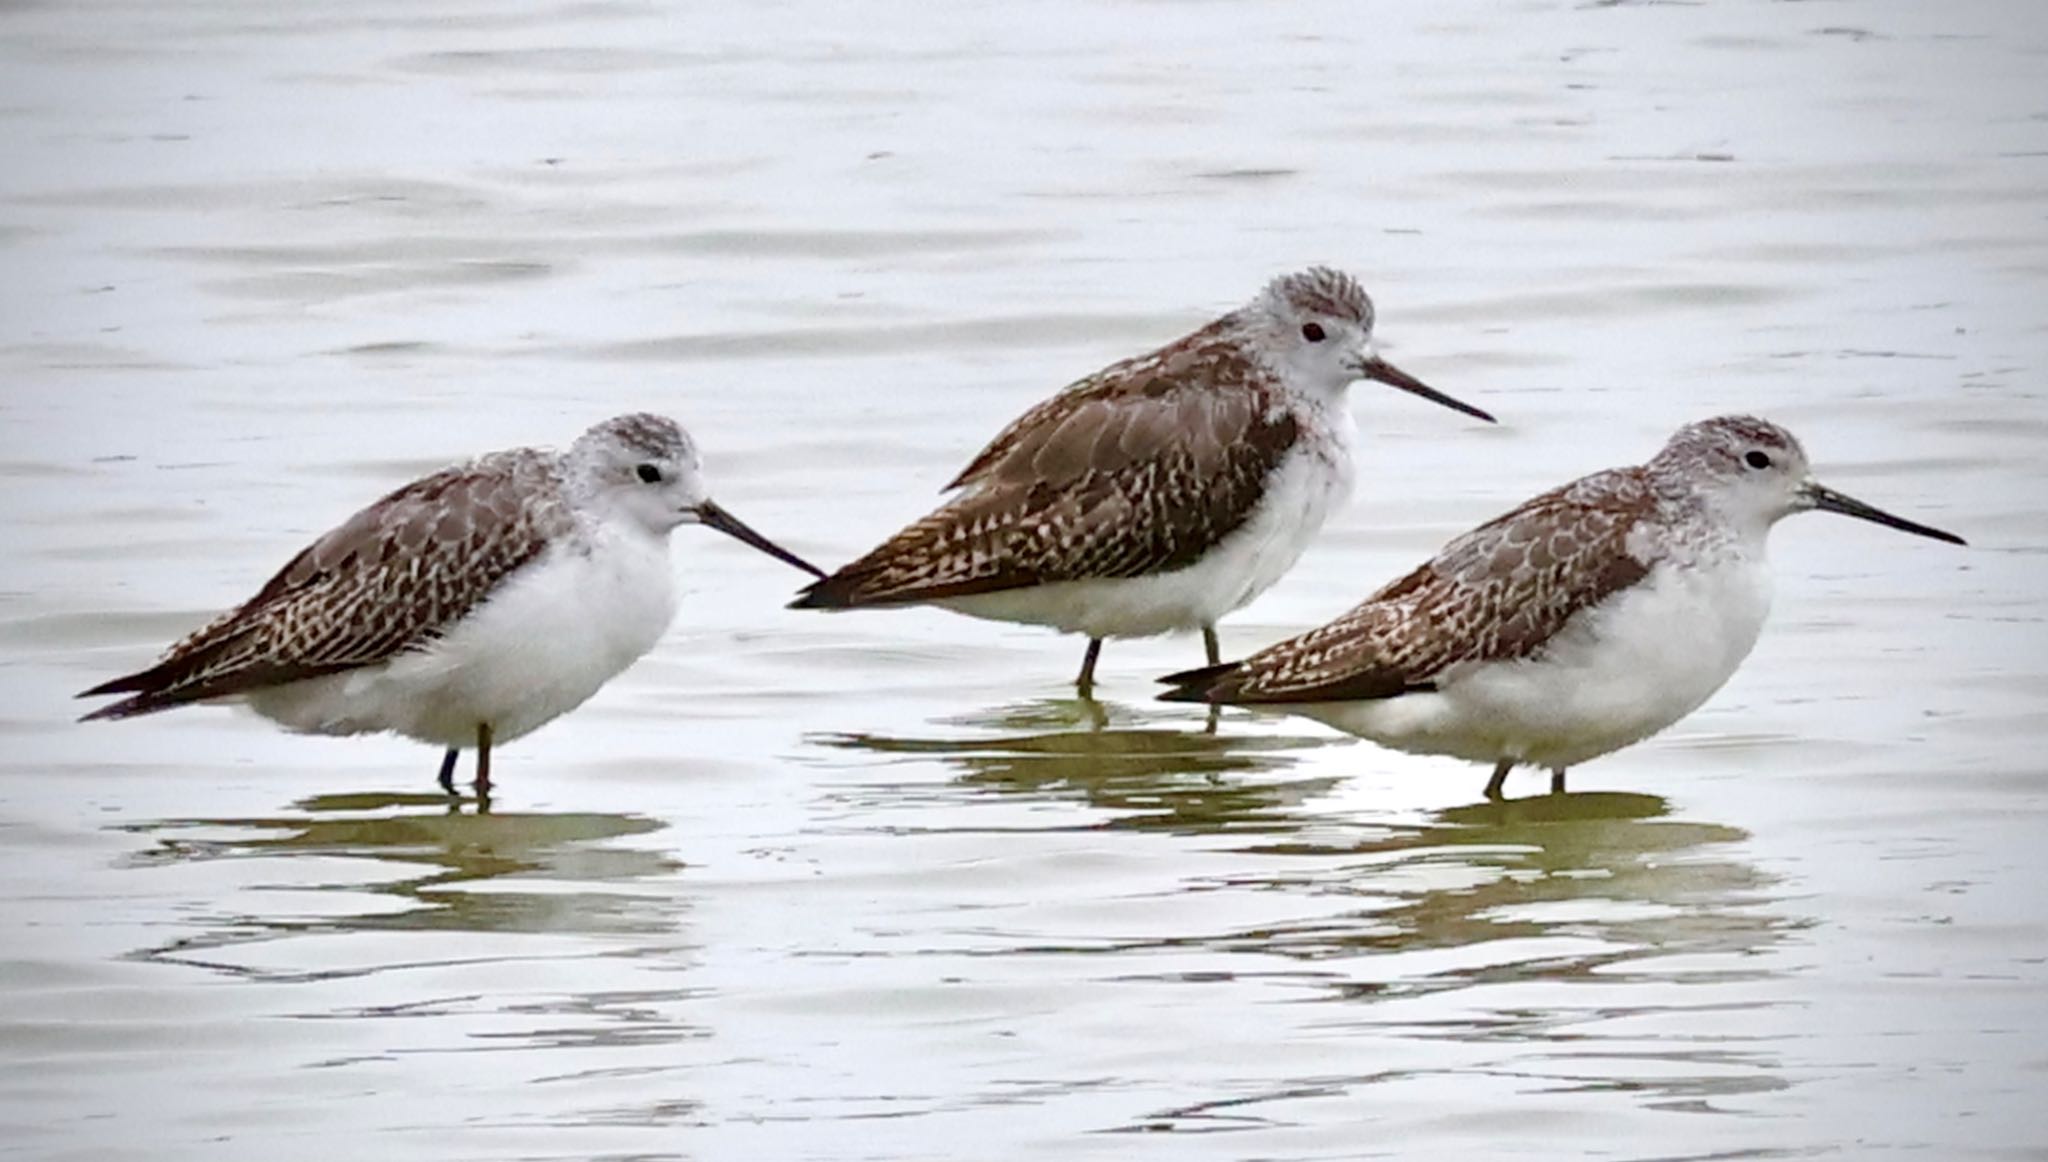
<point x="547" y="639"/>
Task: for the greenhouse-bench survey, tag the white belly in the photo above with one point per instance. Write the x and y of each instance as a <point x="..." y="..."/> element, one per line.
<point x="1304" y="491"/>
<point x="551" y="635"/>
<point x="1615" y="675"/>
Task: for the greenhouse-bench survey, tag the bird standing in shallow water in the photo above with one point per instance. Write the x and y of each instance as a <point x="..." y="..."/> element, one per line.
<point x="466" y="608"/>
<point x="1591" y="617"/>
<point x="1158" y="494"/>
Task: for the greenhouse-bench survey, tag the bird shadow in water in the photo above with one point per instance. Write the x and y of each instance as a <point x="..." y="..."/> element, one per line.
<point x="1612" y="909"/>
<point x="442" y="851"/>
<point x="1615" y="866"/>
<point x="1148" y="773"/>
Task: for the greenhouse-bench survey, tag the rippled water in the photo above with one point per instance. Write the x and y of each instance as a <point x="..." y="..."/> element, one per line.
<point x="876" y="886"/>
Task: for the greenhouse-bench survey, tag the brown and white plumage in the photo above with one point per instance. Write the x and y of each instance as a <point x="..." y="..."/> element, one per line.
<point x="1587" y="618"/>
<point x="1157" y="494"/>
<point x="390" y="578"/>
<point x="472" y="605"/>
<point x="1097" y="482"/>
<point x="1495" y="594"/>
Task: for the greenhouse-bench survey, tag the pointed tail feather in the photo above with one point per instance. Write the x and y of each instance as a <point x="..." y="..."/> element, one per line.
<point x="125" y="684"/>
<point x="834" y="592"/>
<point x="168" y="686"/>
<point x="156" y="688"/>
<point x="189" y="673"/>
<point x="131" y="706"/>
<point x="850" y="586"/>
<point x="854" y="588"/>
<point x="149" y="691"/>
<point x="1208" y="684"/>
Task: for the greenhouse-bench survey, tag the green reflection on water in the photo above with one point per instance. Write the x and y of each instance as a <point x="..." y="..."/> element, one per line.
<point x="445" y="852"/>
<point x="1149" y="777"/>
<point x="1614" y="869"/>
<point x="1596" y="866"/>
<point x="1509" y="923"/>
<point x="1548" y="927"/>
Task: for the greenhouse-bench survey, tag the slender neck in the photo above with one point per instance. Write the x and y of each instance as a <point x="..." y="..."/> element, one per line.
<point x="1721" y="527"/>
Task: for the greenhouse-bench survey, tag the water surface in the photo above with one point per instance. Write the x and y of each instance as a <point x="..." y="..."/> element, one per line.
<point x="877" y="887"/>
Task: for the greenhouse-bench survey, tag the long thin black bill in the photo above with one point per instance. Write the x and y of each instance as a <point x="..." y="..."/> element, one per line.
<point x="725" y="522"/>
<point x="1828" y="500"/>
<point x="1379" y="369"/>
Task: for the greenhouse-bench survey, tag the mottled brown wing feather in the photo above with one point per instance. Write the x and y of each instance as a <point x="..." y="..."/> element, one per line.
<point x="1093" y="483"/>
<point x="1498" y="592"/>
<point x="1033" y="443"/>
<point x="388" y="578"/>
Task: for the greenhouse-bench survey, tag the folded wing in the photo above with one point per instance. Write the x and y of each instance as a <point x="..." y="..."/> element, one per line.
<point x="1499" y="592"/>
<point x="1139" y="470"/>
<point x="388" y="579"/>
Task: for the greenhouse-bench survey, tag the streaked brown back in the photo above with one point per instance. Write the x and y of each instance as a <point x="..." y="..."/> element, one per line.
<point x="1138" y="469"/>
<point x="387" y="579"/>
<point x="1498" y="592"/>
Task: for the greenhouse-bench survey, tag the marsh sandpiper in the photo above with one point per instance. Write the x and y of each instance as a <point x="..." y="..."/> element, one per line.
<point x="1158" y="494"/>
<point x="466" y="608"/>
<point x="1589" y="618"/>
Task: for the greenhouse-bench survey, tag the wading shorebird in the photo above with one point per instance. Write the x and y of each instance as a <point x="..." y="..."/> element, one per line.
<point x="467" y="608"/>
<point x="1158" y="494"/>
<point x="1591" y="617"/>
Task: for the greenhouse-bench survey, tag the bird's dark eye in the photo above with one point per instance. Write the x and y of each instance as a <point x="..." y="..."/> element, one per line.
<point x="1313" y="332"/>
<point x="649" y="474"/>
<point x="1756" y="460"/>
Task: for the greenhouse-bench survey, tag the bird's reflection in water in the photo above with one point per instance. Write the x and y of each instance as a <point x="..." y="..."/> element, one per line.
<point x="1588" y="941"/>
<point x="1143" y="774"/>
<point x="421" y="860"/>
<point x="1612" y="875"/>
<point x="1541" y="927"/>
<point x="374" y="909"/>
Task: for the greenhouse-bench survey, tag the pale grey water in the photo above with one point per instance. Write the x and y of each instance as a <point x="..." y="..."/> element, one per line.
<point x="870" y="887"/>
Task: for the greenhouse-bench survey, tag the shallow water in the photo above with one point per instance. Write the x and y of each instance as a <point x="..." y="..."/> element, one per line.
<point x="875" y="886"/>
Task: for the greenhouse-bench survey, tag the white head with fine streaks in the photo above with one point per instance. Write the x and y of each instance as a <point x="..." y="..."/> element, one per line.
<point x="1312" y="327"/>
<point x="1312" y="330"/>
<point x="641" y="467"/>
<point x="1747" y="474"/>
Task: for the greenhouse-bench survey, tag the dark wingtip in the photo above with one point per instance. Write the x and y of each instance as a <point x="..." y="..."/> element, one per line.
<point x="125" y="708"/>
<point x="136" y="685"/>
<point x="125" y="684"/>
<point x="849" y="588"/>
<point x="1202" y="685"/>
<point x="819" y="595"/>
<point x="146" y="690"/>
<point x="859" y="587"/>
